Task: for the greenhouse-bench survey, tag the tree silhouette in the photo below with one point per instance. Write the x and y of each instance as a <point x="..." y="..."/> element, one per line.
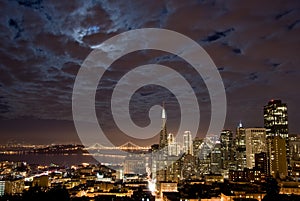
<point x="36" y="193"/>
<point x="272" y="190"/>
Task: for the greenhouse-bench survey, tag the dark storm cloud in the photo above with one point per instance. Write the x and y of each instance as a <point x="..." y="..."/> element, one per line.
<point x="217" y="35"/>
<point x="255" y="45"/>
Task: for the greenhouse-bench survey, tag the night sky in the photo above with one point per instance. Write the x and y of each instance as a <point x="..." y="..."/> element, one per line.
<point x="254" y="44"/>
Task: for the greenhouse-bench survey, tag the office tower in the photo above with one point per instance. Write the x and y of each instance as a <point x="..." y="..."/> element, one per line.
<point x="173" y="147"/>
<point x="277" y="154"/>
<point x="216" y="158"/>
<point x="261" y="162"/>
<point x="213" y="138"/>
<point x="205" y="149"/>
<point x="187" y="143"/>
<point x="204" y="155"/>
<point x="197" y="146"/>
<point x="255" y="143"/>
<point x="170" y="138"/>
<point x="173" y="169"/>
<point x="160" y="159"/>
<point x="294" y="141"/>
<point x="226" y="142"/>
<point x="189" y="167"/>
<point x="241" y="147"/>
<point x="276" y="119"/>
<point x="276" y="122"/>
<point x="163" y="138"/>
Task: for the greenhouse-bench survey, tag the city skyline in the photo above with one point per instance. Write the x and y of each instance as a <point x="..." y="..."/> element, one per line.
<point x="163" y="131"/>
<point x="150" y="100"/>
<point x="252" y="159"/>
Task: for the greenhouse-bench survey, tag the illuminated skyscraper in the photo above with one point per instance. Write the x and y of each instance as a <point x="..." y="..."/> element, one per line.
<point x="276" y="119"/>
<point x="294" y="140"/>
<point x="261" y="162"/>
<point x="276" y="123"/>
<point x="160" y="160"/>
<point x="277" y="154"/>
<point x="163" y="138"/>
<point x="187" y="143"/>
<point x="216" y="158"/>
<point x="226" y="148"/>
<point x="241" y="147"/>
<point x="173" y="147"/>
<point x="255" y="143"/>
<point x="197" y="146"/>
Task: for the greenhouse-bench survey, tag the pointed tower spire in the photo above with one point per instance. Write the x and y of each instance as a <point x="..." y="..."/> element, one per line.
<point x="163" y="139"/>
<point x="240" y="124"/>
<point x="163" y="112"/>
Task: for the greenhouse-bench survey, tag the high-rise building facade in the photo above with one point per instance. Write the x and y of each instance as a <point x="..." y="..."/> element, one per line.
<point x="187" y="143"/>
<point x="276" y="123"/>
<point x="294" y="142"/>
<point x="261" y="162"/>
<point x="277" y="156"/>
<point x="276" y="119"/>
<point x="216" y="158"/>
<point x="173" y="147"/>
<point x="240" y="147"/>
<point x="255" y="143"/>
<point x="204" y="154"/>
<point x="160" y="157"/>
<point x="227" y="146"/>
<point x="197" y="146"/>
